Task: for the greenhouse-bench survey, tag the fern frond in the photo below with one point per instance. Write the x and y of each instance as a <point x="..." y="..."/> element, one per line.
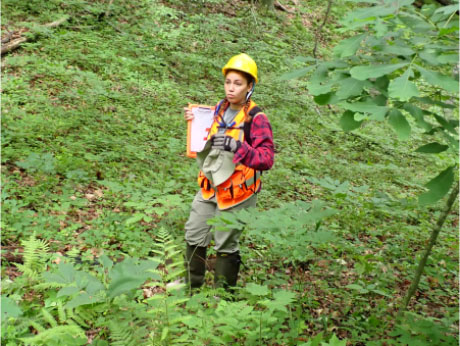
<point x="44" y="286"/>
<point x="34" y="256"/>
<point x="49" y="318"/>
<point x="54" y="334"/>
<point x="61" y="312"/>
<point x="37" y="326"/>
<point x="124" y="333"/>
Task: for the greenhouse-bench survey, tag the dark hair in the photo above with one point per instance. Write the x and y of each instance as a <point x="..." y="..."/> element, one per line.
<point x="247" y="76"/>
<point x="249" y="79"/>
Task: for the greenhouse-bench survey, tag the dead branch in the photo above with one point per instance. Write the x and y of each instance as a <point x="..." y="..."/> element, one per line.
<point x="282" y="8"/>
<point x="57" y="22"/>
<point x="8" y="37"/>
<point x="13" y="44"/>
<point x="318" y="32"/>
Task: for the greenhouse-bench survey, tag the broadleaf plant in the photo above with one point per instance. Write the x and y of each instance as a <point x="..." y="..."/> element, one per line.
<point x="407" y="60"/>
<point x="399" y="67"/>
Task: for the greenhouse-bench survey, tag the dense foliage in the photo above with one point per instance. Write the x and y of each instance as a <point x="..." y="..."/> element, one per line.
<point x="97" y="188"/>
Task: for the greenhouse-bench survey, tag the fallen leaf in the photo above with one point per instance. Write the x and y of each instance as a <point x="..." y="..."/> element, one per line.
<point x="90" y="196"/>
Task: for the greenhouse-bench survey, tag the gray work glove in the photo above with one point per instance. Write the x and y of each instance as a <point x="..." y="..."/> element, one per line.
<point x="224" y="142"/>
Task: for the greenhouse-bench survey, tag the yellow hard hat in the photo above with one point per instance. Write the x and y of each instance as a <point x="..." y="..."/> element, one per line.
<point x="242" y="62"/>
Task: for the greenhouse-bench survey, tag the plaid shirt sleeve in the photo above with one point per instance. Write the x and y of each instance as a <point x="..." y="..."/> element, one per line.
<point x="259" y="155"/>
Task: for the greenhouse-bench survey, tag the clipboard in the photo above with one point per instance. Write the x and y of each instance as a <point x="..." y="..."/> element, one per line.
<point x="198" y="128"/>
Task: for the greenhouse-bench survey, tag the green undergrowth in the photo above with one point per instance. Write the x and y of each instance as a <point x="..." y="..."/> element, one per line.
<point x="94" y="167"/>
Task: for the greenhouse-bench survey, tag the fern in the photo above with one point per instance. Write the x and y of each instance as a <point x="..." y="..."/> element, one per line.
<point x="55" y="335"/>
<point x="169" y="255"/>
<point x="126" y="330"/>
<point x="44" y="286"/>
<point x="34" y="257"/>
<point x="166" y="306"/>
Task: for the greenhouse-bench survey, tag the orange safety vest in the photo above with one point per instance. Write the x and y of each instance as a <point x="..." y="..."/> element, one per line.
<point x="244" y="181"/>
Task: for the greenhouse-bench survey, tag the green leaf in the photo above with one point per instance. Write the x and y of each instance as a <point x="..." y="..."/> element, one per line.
<point x="438" y="187"/>
<point x="65" y="334"/>
<point x="360" y="117"/>
<point x="128" y="275"/>
<point x="382" y="293"/>
<point x="381" y="84"/>
<point x="9" y="308"/>
<point x="438" y="79"/>
<point x="320" y="82"/>
<point x="374" y="71"/>
<point x="68" y="291"/>
<point x="322" y="237"/>
<point x="297" y="73"/>
<point x="444" y="123"/>
<point x="402" y="88"/>
<point x="432" y="148"/>
<point x="447" y="10"/>
<point x="135" y="218"/>
<point x="418" y="115"/>
<point x="429" y="101"/>
<point x="324" y="99"/>
<point x="377" y="112"/>
<point x="106" y="261"/>
<point x="399" y="123"/>
<point x="429" y="56"/>
<point x="83" y="299"/>
<point x="350" y="87"/>
<point x="284" y="297"/>
<point x="257" y="290"/>
<point x="415" y="23"/>
<point x="348" y="122"/>
<point x="334" y="341"/>
<point x="448" y="58"/>
<point x="164" y="333"/>
<point x="355" y="287"/>
<point x="397" y="50"/>
<point x="362" y="15"/>
<point x="349" y="46"/>
<point x="64" y="275"/>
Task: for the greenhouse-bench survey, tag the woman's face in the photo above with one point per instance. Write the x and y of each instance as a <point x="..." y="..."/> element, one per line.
<point x="236" y="87"/>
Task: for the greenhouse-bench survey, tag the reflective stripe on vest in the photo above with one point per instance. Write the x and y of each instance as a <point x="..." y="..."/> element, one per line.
<point x="243" y="183"/>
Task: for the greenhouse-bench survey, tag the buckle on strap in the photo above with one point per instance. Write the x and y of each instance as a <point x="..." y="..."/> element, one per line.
<point x="253" y="179"/>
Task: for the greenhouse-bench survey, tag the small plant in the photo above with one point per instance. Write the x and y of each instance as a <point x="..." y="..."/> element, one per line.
<point x="34" y="257"/>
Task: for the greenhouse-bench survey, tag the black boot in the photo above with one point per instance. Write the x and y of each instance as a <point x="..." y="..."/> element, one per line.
<point x="227" y="268"/>
<point x="195" y="264"/>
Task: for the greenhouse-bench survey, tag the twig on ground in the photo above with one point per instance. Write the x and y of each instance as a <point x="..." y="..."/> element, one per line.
<point x="318" y="32"/>
<point x="282" y="7"/>
<point x="13" y="44"/>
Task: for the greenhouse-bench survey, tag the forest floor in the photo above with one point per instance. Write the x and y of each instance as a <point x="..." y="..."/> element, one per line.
<point x="93" y="163"/>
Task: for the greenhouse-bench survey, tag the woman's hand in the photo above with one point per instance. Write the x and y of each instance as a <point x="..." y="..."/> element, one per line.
<point x="223" y="142"/>
<point x="188" y="114"/>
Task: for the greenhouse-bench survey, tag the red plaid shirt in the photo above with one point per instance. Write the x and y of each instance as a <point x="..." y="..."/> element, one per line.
<point x="260" y="154"/>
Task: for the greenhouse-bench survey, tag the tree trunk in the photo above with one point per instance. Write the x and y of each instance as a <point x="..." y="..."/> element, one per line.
<point x="318" y="32"/>
<point x="434" y="234"/>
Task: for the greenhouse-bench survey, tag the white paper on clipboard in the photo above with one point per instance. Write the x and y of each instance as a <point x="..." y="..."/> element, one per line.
<point x="201" y="123"/>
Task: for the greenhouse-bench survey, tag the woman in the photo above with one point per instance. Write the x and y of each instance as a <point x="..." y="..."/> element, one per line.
<point x="239" y="148"/>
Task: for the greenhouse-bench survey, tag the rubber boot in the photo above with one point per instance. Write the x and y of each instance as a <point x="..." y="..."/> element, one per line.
<point x="227" y="268"/>
<point x="195" y="264"/>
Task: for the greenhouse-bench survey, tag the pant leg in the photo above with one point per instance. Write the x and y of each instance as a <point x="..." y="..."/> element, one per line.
<point x="228" y="241"/>
<point x="197" y="232"/>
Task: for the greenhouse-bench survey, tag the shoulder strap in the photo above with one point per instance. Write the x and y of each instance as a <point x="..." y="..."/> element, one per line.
<point x="254" y="111"/>
<point x="247" y="125"/>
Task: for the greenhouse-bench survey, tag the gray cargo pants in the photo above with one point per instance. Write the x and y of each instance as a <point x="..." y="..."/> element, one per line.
<point x="197" y="231"/>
